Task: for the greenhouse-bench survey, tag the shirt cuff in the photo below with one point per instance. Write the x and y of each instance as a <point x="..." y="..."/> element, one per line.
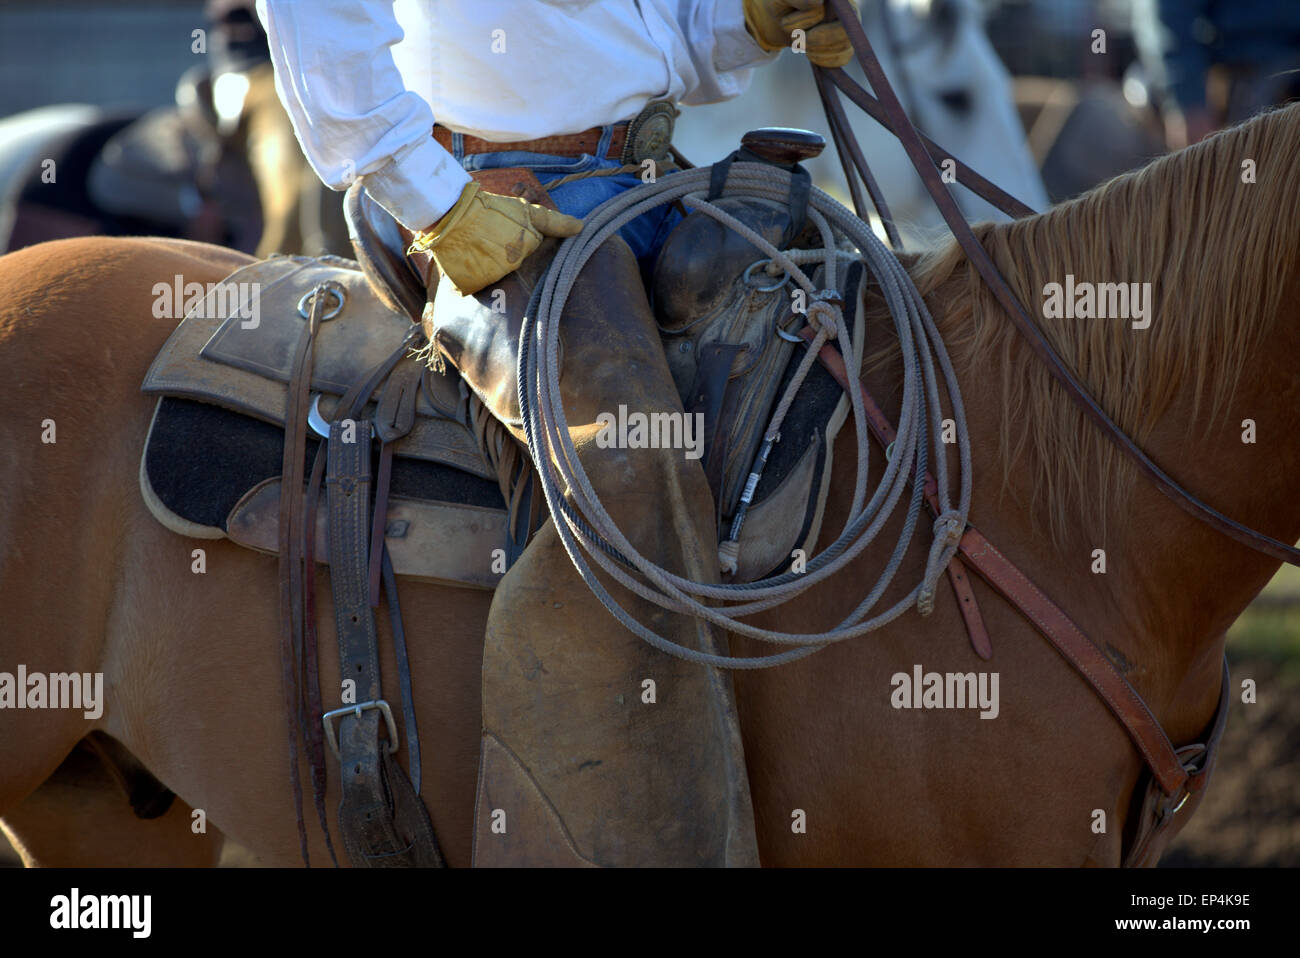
<point x="734" y="48"/>
<point x="419" y="185"/>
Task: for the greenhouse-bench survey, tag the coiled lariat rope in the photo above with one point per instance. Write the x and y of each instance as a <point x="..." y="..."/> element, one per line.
<point x="590" y="535"/>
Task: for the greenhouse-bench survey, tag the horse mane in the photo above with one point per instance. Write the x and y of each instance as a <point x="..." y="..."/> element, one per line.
<point x="1218" y="253"/>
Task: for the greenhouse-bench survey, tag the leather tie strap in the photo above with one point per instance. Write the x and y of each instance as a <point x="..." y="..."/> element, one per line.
<point x="1121" y="698"/>
<point x="394" y="418"/>
<point x="383" y="821"/>
<point x="312" y="706"/>
<point x="295" y="565"/>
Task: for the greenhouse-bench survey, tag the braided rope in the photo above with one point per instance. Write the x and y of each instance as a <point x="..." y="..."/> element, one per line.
<point x="592" y="539"/>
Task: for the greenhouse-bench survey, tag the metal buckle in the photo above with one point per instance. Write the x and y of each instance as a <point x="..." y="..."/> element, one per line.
<point x="650" y="133"/>
<point x="356" y="710"/>
<point x="316" y="421"/>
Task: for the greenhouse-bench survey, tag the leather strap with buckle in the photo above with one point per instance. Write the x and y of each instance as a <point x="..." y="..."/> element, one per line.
<point x="648" y="135"/>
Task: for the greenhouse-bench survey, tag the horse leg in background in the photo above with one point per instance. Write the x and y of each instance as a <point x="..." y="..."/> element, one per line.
<point x="584" y="766"/>
<point x="277" y="163"/>
<point x="82" y="817"/>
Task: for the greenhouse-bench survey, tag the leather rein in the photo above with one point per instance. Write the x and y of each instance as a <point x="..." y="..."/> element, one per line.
<point x="1176" y="773"/>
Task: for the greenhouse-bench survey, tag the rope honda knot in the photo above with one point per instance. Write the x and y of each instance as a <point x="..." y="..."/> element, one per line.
<point x="948" y="528"/>
<point x="825" y="317"/>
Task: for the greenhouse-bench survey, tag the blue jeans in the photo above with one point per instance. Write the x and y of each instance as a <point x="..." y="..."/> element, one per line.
<point x="645" y="234"/>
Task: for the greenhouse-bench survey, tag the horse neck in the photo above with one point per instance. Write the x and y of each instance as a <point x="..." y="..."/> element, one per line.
<point x="1171" y="585"/>
<point x="1244" y="461"/>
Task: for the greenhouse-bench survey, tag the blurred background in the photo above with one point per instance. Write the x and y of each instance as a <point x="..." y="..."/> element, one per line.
<point x="155" y="128"/>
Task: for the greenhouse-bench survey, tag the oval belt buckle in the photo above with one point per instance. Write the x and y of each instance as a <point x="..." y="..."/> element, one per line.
<point x="650" y="133"/>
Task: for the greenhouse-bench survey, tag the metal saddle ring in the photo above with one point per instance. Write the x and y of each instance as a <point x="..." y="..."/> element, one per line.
<point x="315" y="420"/>
<point x="749" y="271"/>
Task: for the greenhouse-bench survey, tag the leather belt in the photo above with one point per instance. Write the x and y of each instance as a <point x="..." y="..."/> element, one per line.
<point x="648" y="135"/>
<point x="568" y="144"/>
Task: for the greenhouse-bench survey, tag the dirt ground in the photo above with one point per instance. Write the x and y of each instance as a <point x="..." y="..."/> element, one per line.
<point x="1251" y="814"/>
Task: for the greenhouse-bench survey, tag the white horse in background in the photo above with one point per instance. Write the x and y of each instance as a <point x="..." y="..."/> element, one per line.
<point x="952" y="84"/>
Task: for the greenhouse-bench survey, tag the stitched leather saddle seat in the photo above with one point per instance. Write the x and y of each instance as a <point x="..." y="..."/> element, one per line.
<point x="211" y="465"/>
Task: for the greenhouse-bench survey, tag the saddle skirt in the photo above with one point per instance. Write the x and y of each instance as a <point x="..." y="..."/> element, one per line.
<point x="211" y="464"/>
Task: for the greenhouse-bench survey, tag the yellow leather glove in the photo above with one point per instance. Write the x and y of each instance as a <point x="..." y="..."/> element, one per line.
<point x="772" y="22"/>
<point x="486" y="236"/>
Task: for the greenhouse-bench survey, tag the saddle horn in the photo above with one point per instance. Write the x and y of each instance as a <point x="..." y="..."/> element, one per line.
<point x="783" y="146"/>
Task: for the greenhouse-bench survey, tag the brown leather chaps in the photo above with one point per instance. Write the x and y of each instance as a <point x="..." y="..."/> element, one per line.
<point x="598" y="749"/>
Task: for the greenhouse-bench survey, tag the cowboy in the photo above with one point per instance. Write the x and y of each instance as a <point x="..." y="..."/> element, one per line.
<point x="577" y="764"/>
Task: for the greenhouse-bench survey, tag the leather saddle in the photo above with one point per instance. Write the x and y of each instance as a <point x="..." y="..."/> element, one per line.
<point x="223" y="381"/>
<point x="293" y="344"/>
<point x="728" y="333"/>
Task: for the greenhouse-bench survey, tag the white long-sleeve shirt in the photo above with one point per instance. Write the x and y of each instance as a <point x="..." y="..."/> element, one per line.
<point x="499" y="69"/>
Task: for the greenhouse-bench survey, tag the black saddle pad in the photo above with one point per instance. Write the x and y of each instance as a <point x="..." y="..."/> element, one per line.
<point x="202" y="459"/>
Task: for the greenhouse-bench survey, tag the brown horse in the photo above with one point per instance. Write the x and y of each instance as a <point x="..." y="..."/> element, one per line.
<point x="90" y="582"/>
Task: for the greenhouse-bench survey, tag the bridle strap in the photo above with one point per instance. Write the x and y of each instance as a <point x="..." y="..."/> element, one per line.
<point x="981" y="186"/>
<point x="911" y="140"/>
<point x="853" y="161"/>
<point x="1157" y="812"/>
